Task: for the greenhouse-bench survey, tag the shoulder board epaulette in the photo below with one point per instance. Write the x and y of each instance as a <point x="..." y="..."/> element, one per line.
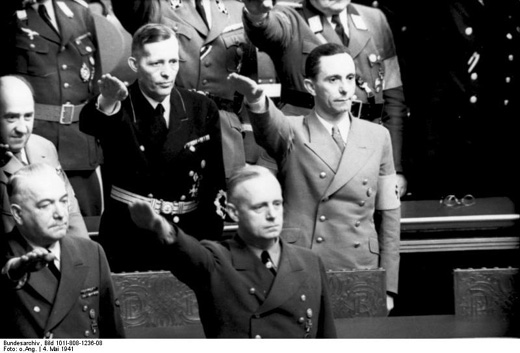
<point x="294" y="5"/>
<point x="81" y="2"/>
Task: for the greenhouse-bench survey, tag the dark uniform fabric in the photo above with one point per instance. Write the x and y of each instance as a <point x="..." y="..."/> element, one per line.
<point x="82" y="305"/>
<point x="290" y="33"/>
<point x="238" y="297"/>
<point x="61" y="67"/>
<point x="38" y="150"/>
<point x="207" y="57"/>
<point x="187" y="167"/>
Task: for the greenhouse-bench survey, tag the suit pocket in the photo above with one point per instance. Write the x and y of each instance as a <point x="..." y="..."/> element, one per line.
<point x="373" y="245"/>
<point x="291" y="235"/>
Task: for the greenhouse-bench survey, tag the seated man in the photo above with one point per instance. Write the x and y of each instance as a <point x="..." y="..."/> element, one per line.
<point x="18" y="147"/>
<point x="254" y="285"/>
<point x="52" y="284"/>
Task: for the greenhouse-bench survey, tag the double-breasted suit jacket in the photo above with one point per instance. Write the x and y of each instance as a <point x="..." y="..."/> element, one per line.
<point x="38" y="150"/>
<point x="187" y="167"/>
<point x="61" y="67"/>
<point x="330" y="198"/>
<point x="82" y="304"/>
<point x="289" y="35"/>
<point x="238" y="297"/>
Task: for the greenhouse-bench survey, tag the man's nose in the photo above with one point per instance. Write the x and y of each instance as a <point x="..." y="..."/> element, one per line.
<point x="22" y="127"/>
<point x="60" y="211"/>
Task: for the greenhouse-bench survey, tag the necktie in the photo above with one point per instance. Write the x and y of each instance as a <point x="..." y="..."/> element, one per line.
<point x="42" y="10"/>
<point x="54" y="269"/>
<point x="336" y="135"/>
<point x="340" y="31"/>
<point x="159" y="128"/>
<point x="266" y="259"/>
<point x="201" y="11"/>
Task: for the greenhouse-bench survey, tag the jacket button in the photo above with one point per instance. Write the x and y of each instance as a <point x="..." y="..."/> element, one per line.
<point x="301" y="320"/>
<point x="87" y="333"/>
<point x="204" y="82"/>
<point x="369" y="192"/>
<point x="252" y="290"/>
<point x="258" y="336"/>
<point x="85" y="307"/>
<point x="66" y="85"/>
<point x="365" y="181"/>
<point x="319" y="240"/>
<point x="362" y="203"/>
<point x="32" y="46"/>
<point x="357" y="244"/>
<point x="48" y="335"/>
<point x="473" y="99"/>
<point x="323" y="175"/>
<point x="257" y="316"/>
<point x="357" y="223"/>
<point x="36" y="309"/>
<point x="323" y="218"/>
<point x="207" y="64"/>
<point x="176" y="219"/>
<point x="64" y="67"/>
<point x="303" y="298"/>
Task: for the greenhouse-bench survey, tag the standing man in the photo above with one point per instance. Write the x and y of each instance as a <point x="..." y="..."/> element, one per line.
<point x="53" y="285"/>
<point x="162" y="144"/>
<point x="212" y="44"/>
<point x="254" y="285"/>
<point x="337" y="171"/>
<point x="53" y="45"/>
<point x="289" y="34"/>
<point x="19" y="147"/>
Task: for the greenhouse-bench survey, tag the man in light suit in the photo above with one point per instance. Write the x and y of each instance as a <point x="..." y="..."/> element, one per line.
<point x="289" y="33"/>
<point x="162" y="144"/>
<point x="337" y="171"/>
<point x="53" y="285"/>
<point x="254" y="285"/>
<point x="18" y="146"/>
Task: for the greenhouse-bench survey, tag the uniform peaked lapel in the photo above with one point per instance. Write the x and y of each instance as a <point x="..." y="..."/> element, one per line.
<point x="66" y="24"/>
<point x="356" y="155"/>
<point x="188" y="13"/>
<point x="37" y="24"/>
<point x="321" y="142"/>
<point x="219" y="21"/>
<point x="329" y="33"/>
<point x="358" y="37"/>
<point x="288" y="280"/>
<point x="73" y="274"/>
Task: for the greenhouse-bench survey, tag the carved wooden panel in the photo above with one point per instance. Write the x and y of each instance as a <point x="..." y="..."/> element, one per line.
<point x="486" y="292"/>
<point x="358" y="293"/>
<point x="155" y="299"/>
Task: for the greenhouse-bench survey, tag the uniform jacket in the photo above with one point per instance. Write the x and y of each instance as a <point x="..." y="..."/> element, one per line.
<point x="237" y="295"/>
<point x="188" y="167"/>
<point x="329" y="198"/>
<point x="82" y="305"/>
<point x="289" y="35"/>
<point x="207" y="56"/>
<point x="38" y="150"/>
<point x="61" y="69"/>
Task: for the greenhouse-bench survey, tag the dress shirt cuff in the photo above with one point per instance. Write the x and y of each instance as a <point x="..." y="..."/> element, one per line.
<point x="259" y="106"/>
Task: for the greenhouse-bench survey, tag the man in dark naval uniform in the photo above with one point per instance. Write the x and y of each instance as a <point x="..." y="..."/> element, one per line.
<point x="162" y="145"/>
<point x="289" y="33"/>
<point x="53" y="45"/>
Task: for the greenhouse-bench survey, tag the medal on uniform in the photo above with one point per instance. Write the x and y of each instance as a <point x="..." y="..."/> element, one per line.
<point x="30" y="33"/>
<point x="175" y="4"/>
<point x="222" y="7"/>
<point x="84" y="73"/>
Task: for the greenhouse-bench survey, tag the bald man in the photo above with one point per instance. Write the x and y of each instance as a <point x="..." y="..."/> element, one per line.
<point x="19" y="147"/>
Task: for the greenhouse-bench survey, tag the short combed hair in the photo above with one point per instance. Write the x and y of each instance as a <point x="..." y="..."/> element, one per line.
<point x="15" y="183"/>
<point x="150" y="33"/>
<point x="242" y="175"/>
<point x="312" y="64"/>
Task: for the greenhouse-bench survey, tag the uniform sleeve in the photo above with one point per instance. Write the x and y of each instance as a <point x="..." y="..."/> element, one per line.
<point x="327" y="327"/>
<point x="387" y="197"/>
<point x="389" y="235"/>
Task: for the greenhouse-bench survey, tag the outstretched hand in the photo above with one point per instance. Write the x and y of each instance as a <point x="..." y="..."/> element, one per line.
<point x="5" y="154"/>
<point x="145" y="218"/>
<point x="33" y="261"/>
<point x="112" y="88"/>
<point x="247" y="87"/>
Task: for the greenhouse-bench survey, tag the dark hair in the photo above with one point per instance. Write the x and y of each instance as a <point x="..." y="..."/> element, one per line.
<point x="150" y="33"/>
<point x="312" y="64"/>
<point x="242" y="175"/>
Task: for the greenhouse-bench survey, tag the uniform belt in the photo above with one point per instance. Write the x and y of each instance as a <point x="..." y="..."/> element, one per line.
<point x="365" y="111"/>
<point x="64" y="114"/>
<point x="159" y="206"/>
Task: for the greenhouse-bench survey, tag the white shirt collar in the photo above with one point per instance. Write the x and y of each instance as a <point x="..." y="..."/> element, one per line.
<point x="343" y="126"/>
<point x="50" y="11"/>
<point x="343" y="19"/>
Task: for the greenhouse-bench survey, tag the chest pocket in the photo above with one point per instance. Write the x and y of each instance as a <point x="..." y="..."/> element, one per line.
<point x="84" y="44"/>
<point x="236" y="45"/>
<point x="32" y="54"/>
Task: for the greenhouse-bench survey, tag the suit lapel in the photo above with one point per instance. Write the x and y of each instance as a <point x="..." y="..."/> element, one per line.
<point x="356" y="155"/>
<point x="321" y="142"/>
<point x="73" y="274"/>
<point x="288" y="280"/>
<point x="358" y="37"/>
<point x="37" y="24"/>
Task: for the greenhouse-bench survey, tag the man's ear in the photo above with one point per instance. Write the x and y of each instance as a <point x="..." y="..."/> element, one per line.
<point x="16" y="211"/>
<point x="232" y="211"/>
<point x="309" y="86"/>
<point x="132" y="62"/>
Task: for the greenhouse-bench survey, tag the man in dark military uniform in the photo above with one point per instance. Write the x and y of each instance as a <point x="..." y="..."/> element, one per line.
<point x="212" y="44"/>
<point x="254" y="285"/>
<point x="53" y="285"/>
<point x="289" y="33"/>
<point x="162" y="144"/>
<point x="53" y="45"/>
